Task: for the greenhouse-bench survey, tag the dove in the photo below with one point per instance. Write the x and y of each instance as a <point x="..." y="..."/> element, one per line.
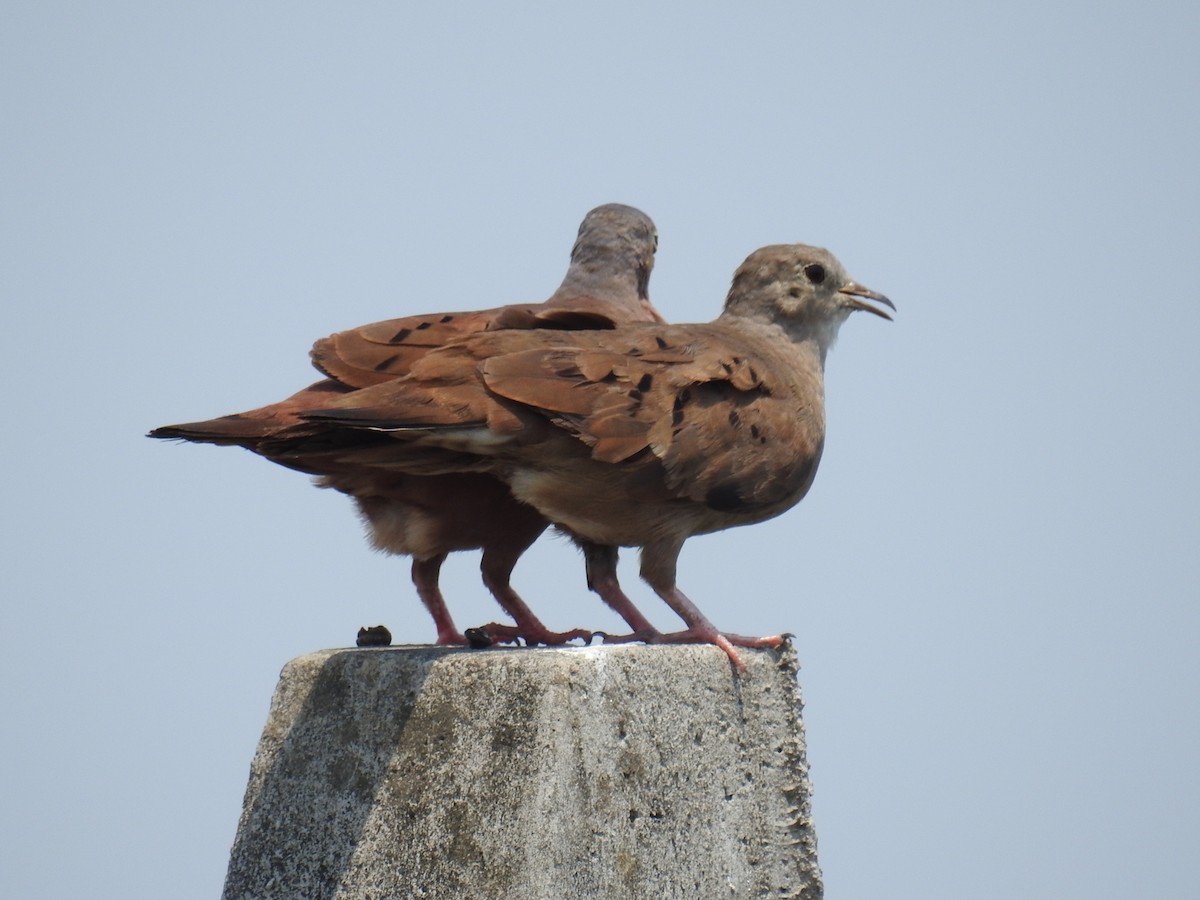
<point x="429" y="516"/>
<point x="639" y="436"/>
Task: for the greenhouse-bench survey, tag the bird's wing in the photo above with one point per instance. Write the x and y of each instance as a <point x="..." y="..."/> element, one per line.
<point x="376" y="353"/>
<point x="729" y="429"/>
<point x="443" y="390"/>
<point x="732" y="427"/>
<point x="373" y="354"/>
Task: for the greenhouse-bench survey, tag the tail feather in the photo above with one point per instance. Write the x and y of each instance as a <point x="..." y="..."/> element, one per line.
<point x="236" y="430"/>
<point x="246" y="429"/>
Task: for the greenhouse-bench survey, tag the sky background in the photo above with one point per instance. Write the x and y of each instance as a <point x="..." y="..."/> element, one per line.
<point x="993" y="582"/>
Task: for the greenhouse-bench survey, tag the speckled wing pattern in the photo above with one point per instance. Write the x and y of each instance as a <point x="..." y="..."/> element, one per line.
<point x="723" y="421"/>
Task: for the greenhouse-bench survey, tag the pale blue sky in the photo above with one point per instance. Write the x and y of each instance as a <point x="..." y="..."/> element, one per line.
<point x="994" y="581"/>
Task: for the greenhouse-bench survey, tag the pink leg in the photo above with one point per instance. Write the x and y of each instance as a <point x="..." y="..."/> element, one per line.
<point x="601" y="565"/>
<point x="425" y="576"/>
<point x="497" y="569"/>
<point x="658" y="569"/>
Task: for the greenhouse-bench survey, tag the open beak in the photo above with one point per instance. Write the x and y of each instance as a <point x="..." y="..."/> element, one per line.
<point x="854" y="291"/>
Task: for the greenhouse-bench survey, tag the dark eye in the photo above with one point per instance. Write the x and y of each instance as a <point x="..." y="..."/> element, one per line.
<point x="815" y="272"/>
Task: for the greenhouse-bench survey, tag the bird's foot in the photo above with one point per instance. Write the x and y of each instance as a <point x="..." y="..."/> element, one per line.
<point x="706" y="636"/>
<point x="727" y="642"/>
<point x="451" y="638"/>
<point x="724" y="640"/>
<point x="646" y="635"/>
<point x="532" y="635"/>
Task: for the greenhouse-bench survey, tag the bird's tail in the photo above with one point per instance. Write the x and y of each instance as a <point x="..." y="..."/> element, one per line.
<point x="235" y="430"/>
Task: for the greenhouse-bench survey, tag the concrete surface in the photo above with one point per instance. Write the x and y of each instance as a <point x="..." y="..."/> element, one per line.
<point x="620" y="771"/>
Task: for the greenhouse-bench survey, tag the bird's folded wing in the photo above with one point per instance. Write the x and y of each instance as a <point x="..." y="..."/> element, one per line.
<point x="373" y="354"/>
<point x="449" y="396"/>
<point x="728" y="431"/>
<point x="376" y="353"/>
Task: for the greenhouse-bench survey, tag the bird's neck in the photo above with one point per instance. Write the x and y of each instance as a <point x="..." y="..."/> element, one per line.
<point x="604" y="282"/>
<point x="609" y="269"/>
<point x="808" y="340"/>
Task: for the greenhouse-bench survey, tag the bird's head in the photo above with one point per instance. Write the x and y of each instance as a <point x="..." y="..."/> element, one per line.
<point x="802" y="289"/>
<point x="617" y="238"/>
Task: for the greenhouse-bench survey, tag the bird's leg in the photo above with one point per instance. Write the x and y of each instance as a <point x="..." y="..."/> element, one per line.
<point x="601" y="565"/>
<point x="658" y="569"/>
<point x="425" y="576"/>
<point x="497" y="565"/>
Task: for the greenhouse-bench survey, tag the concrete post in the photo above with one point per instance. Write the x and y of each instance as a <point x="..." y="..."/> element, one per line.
<point x="618" y="771"/>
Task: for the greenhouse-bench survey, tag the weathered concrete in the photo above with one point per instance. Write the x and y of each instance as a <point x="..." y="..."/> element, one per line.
<point x="619" y="771"/>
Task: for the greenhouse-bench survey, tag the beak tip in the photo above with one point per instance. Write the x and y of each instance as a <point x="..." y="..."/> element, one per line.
<point x="860" y="293"/>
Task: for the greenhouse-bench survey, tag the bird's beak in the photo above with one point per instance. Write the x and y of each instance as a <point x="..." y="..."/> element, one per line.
<point x="853" y="291"/>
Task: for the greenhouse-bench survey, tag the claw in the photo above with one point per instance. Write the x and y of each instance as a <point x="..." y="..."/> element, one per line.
<point x="532" y="636"/>
<point x="647" y="636"/>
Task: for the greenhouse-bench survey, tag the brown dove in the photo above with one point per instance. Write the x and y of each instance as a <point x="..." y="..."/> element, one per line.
<point x="639" y="436"/>
<point x="427" y="517"/>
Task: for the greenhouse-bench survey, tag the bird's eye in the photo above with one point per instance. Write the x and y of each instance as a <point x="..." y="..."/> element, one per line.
<point x="815" y="272"/>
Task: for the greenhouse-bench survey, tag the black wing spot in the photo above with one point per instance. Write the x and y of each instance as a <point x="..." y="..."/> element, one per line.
<point x="447" y="318"/>
<point x="644" y="383"/>
<point x="400" y="335"/>
<point x="423" y="326"/>
<point x="387" y="363"/>
<point x="725" y="498"/>
<point x="734" y="419"/>
<point x="677" y="411"/>
<point x="662" y="344"/>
